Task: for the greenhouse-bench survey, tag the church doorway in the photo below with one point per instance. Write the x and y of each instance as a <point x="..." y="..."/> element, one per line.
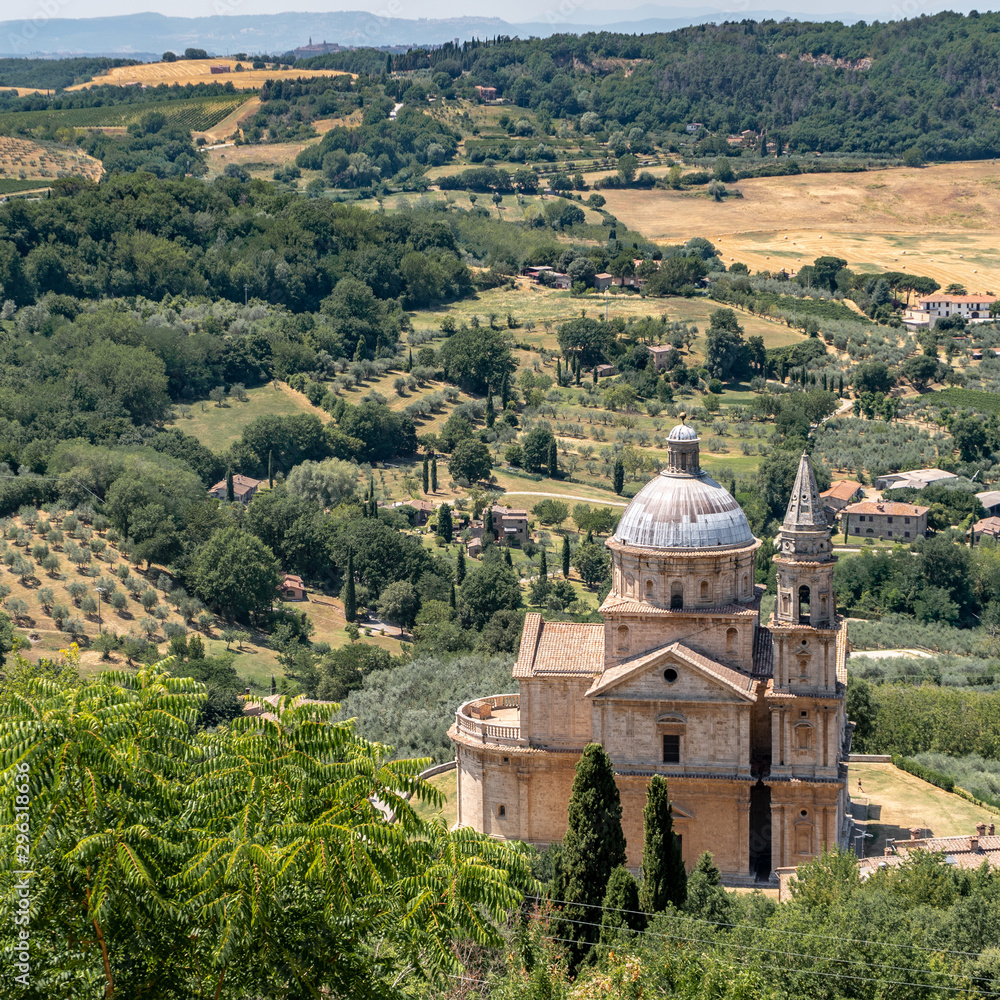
<point x="760" y="831"/>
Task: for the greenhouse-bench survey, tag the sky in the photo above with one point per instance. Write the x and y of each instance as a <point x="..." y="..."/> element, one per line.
<point x="572" y="11"/>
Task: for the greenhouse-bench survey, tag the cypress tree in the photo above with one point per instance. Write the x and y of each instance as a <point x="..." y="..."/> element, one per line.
<point x="427" y="473"/>
<point x="595" y="374"/>
<point x="274" y="687"/>
<point x="507" y="558"/>
<point x="543" y="567"/>
<point x="618" y="478"/>
<point x="505" y="391"/>
<point x="460" y="566"/>
<point x="620" y="913"/>
<point x="664" y="879"/>
<point x="553" y="459"/>
<point x="270" y="470"/>
<point x="445" y="526"/>
<point x="491" y="414"/>
<point x="705" y="895"/>
<point x="451" y="596"/>
<point x="578" y="367"/>
<point x="409" y="361"/>
<point x="434" y="474"/>
<point x="350" y="599"/>
<point x="558" y="372"/>
<point x="565" y="556"/>
<point x="593" y="847"/>
<point x="230" y="491"/>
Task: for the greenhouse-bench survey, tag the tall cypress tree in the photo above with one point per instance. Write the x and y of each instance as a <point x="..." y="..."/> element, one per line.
<point x="460" y="566"/>
<point x="350" y="598"/>
<point x="270" y="470"/>
<point x="507" y="557"/>
<point x="664" y="879"/>
<point x="543" y="567"/>
<point x="445" y="526"/>
<point x="593" y="847"/>
<point x="230" y="491"/>
<point x="553" y="459"/>
<point x="618" y="479"/>
<point x="565" y="556"/>
<point x="427" y="473"/>
<point x="491" y="413"/>
<point x="434" y="474"/>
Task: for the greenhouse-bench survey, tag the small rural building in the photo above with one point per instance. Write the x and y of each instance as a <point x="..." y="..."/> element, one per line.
<point x="486" y="93"/>
<point x="562" y="281"/>
<point x="692" y="127"/>
<point x="990" y="499"/>
<point x="606" y="371"/>
<point x="244" y="488"/>
<point x="423" y="508"/>
<point x="510" y="524"/>
<point x="930" y="308"/>
<point x="603" y="281"/>
<point x="292" y="588"/>
<point x="840" y="494"/>
<point x="918" y="479"/>
<point x="884" y="519"/>
<point x="963" y="852"/>
<point x="474" y="546"/>
<point x="662" y="353"/>
<point x="988" y="526"/>
<point x="220" y="69"/>
<point x="536" y="272"/>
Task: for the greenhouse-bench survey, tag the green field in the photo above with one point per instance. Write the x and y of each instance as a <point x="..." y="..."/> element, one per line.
<point x="972" y="399"/>
<point x="217" y="427"/>
<point x="197" y="114"/>
<point x="12" y="186"/>
<point x="447" y="785"/>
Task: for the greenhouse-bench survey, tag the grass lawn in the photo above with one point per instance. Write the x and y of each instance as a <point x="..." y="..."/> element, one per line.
<point x="218" y="427"/>
<point x="447" y="785"/>
<point x="893" y="801"/>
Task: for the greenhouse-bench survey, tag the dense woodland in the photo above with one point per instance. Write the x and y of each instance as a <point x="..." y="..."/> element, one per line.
<point x="883" y="88"/>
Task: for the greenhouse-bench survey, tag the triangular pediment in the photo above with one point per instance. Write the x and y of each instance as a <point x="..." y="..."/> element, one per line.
<point x="698" y="676"/>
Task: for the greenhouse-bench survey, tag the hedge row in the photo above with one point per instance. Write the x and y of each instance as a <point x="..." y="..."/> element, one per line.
<point x="928" y="774"/>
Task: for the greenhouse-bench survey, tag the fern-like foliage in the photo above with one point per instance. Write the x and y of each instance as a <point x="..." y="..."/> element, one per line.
<point x="279" y="856"/>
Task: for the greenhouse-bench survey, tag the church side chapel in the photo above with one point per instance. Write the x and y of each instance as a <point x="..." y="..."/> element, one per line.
<point x="746" y="721"/>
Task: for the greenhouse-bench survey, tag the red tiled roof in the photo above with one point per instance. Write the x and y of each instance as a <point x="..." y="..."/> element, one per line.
<point x="958" y="299"/>
<point x="885" y="507"/>
<point x="988" y="525"/>
<point x="559" y="648"/>
<point x="843" y="489"/>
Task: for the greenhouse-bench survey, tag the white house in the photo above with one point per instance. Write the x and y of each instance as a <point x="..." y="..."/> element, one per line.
<point x="930" y="308"/>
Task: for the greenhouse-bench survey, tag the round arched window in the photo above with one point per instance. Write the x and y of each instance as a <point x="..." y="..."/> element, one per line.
<point x="670" y="675"/>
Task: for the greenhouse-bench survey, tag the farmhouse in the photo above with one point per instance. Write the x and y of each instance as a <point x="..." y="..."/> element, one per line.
<point x="930" y="308"/>
<point x="838" y="496"/>
<point x="988" y="527"/>
<point x="918" y="479"/>
<point x="510" y="524"/>
<point x="603" y="280"/>
<point x="662" y="354"/>
<point x="682" y="679"/>
<point x="990" y="499"/>
<point x="292" y="588"/>
<point x="220" y="69"/>
<point x="486" y="93"/>
<point x="244" y="488"/>
<point x="606" y="371"/>
<point x="885" y="519"/>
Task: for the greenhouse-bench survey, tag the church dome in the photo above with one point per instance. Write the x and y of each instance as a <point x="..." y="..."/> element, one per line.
<point x="684" y="512"/>
<point x="683" y="507"/>
<point x="683" y="432"/>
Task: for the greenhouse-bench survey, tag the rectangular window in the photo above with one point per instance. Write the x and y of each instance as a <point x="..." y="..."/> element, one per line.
<point x="889" y="520"/>
<point x="890" y="534"/>
<point x="906" y="520"/>
<point x="671" y="749"/>
<point x="906" y="534"/>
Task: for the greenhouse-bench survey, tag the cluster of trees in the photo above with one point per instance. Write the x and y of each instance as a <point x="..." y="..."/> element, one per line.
<point x="55" y="74"/>
<point x="167" y="889"/>
<point x="228" y="240"/>
<point x="873" y="88"/>
<point x="934" y="580"/>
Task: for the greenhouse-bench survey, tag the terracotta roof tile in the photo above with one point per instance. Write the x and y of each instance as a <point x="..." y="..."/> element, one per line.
<point x="559" y="648"/>
<point x="843" y="489"/>
<point x="885" y="507"/>
<point x="629" y="607"/>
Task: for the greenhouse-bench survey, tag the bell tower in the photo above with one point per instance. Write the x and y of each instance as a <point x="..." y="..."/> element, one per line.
<point x="807" y="780"/>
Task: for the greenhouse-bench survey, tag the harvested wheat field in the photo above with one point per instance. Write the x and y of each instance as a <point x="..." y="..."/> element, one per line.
<point x="22" y="159"/>
<point x="937" y="220"/>
<point x="185" y="71"/>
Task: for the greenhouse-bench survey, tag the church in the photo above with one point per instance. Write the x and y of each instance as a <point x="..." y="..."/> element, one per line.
<point x="745" y="720"/>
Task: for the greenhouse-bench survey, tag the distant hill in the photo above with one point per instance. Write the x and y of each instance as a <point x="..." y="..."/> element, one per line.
<point x="146" y="36"/>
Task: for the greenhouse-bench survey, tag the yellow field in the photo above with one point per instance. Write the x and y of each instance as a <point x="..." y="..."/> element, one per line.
<point x="259" y="161"/>
<point x="25" y="160"/>
<point x="934" y="220"/>
<point x="185" y="71"/>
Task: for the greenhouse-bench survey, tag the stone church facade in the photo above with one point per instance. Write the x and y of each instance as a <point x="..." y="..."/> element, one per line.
<point x="746" y="721"/>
